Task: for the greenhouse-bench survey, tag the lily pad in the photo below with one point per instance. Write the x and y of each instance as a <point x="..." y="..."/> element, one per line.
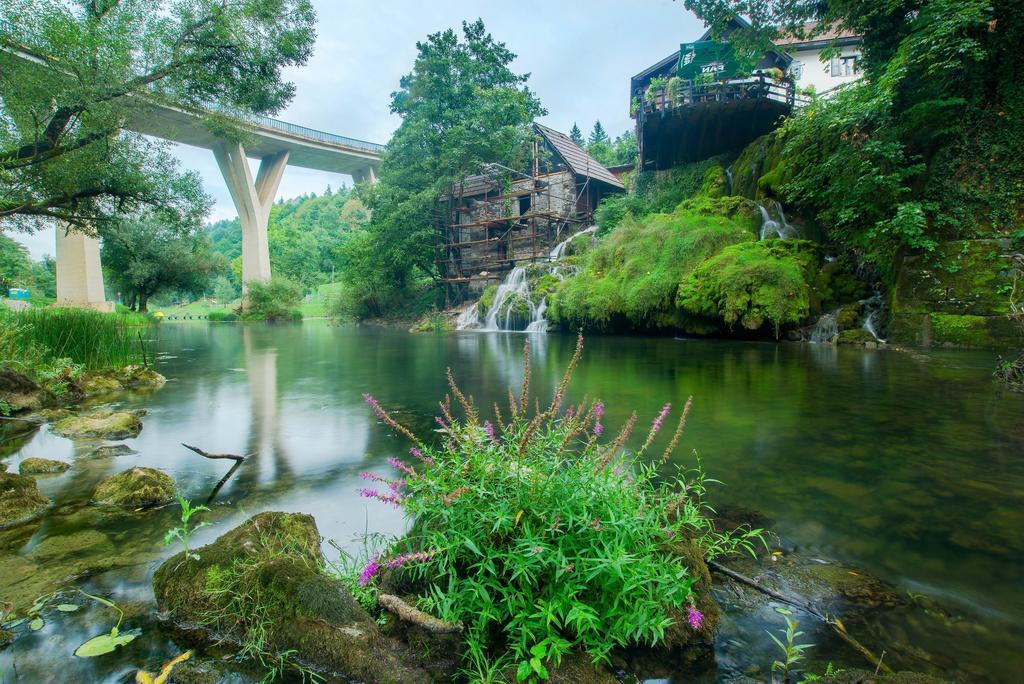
<point x="105" y="643"/>
<point x="36" y="624"/>
<point x="67" y="607"/>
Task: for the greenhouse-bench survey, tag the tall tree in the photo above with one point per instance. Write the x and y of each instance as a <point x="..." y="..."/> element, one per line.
<point x="461" y="106"/>
<point x="576" y="135"/>
<point x="95" y="64"/>
<point x="15" y="265"/>
<point x="597" y="134"/>
<point x="144" y="257"/>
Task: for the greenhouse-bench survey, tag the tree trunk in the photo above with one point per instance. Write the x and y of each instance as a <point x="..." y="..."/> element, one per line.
<point x="142" y="302"/>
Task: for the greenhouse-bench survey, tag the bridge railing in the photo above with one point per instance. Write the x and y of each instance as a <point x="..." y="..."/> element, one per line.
<point x="30" y="39"/>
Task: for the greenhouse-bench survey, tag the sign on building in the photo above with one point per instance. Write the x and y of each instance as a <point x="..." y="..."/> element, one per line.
<point x="706" y="57"/>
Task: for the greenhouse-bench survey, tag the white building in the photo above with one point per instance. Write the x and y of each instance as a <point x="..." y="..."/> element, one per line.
<point x="808" y="69"/>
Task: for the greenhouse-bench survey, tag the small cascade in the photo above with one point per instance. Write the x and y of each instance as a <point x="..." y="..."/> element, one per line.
<point x="770" y="228"/>
<point x="728" y="179"/>
<point x="514" y="294"/>
<point x="873" y="307"/>
<point x="827" y="327"/>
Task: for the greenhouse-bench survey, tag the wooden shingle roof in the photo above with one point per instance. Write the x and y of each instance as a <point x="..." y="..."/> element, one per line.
<point x="576" y="158"/>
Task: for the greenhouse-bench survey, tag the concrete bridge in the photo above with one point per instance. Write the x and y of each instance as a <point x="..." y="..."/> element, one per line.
<point x="276" y="144"/>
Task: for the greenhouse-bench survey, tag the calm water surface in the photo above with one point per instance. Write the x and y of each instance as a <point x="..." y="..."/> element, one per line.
<point x="909" y="466"/>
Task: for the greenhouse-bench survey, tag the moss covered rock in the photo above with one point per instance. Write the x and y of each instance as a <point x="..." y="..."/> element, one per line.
<point x="6" y="638"/>
<point x="105" y="424"/>
<point x="857" y="676"/>
<point x="267" y="575"/>
<point x="134" y="488"/>
<point x="111" y="450"/>
<point x="38" y="466"/>
<point x="957" y="296"/>
<point x="856" y="336"/>
<point x="19" y="392"/>
<point x="20" y="499"/>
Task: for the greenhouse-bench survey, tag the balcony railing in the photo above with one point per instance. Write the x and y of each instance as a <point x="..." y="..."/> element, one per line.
<point x="687" y="93"/>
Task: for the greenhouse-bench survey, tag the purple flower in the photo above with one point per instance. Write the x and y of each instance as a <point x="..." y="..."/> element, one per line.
<point x="598" y="409"/>
<point x="414" y="557"/>
<point x="440" y="421"/>
<point x="598" y="429"/>
<point x="694" y="617"/>
<point x="390" y="498"/>
<point x="375" y="405"/>
<point x="656" y="424"/>
<point x="369" y="572"/>
<point x="419" y="454"/>
<point x="489" y="429"/>
<point x="398" y="465"/>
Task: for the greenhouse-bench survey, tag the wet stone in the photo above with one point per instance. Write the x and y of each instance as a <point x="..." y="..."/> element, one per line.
<point x="41" y="466"/>
<point x="104" y="424"/>
<point x="111" y="450"/>
<point x="136" y="488"/>
<point x="20" y="499"/>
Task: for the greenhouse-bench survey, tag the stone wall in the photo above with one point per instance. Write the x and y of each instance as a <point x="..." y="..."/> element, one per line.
<point x="958" y="296"/>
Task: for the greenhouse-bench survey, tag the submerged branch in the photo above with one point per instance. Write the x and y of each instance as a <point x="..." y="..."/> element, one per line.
<point x="206" y="454"/>
<point x="836" y="625"/>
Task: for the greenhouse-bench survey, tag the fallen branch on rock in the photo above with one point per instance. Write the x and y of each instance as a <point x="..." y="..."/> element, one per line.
<point x="206" y="454"/>
<point x="416" y="616"/>
<point x="834" y="623"/>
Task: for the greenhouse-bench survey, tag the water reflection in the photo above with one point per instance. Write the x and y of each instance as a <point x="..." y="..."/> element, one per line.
<point x="906" y="465"/>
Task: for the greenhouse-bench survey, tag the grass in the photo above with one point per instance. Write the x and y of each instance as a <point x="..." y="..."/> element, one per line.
<point x="316" y="306"/>
<point x="38" y="339"/>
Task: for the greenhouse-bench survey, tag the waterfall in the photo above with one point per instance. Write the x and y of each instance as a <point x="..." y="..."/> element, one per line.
<point x="728" y="179"/>
<point x="827" y="327"/>
<point x="873" y="307"/>
<point x="770" y="228"/>
<point x="515" y="290"/>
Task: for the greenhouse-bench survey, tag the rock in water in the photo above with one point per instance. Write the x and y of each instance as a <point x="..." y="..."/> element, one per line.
<point x="267" y="574"/>
<point x="111" y="450"/>
<point x="40" y="466"/>
<point x="20" y="393"/>
<point x="105" y="424"/>
<point x="136" y="488"/>
<point x="20" y="499"/>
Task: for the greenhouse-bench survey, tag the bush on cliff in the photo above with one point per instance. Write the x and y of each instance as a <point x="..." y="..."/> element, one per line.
<point x="541" y="536"/>
<point x="753" y="284"/>
<point x="630" y="279"/>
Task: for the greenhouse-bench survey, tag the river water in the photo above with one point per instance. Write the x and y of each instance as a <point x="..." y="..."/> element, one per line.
<point x="908" y="466"/>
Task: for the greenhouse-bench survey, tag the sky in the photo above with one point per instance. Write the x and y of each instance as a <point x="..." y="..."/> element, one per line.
<point x="580" y="55"/>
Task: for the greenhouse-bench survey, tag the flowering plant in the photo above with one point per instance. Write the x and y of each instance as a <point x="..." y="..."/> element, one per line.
<point x="538" y="537"/>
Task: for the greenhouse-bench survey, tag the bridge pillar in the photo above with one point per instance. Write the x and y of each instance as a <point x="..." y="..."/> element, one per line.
<point x="79" y="275"/>
<point x="253" y="200"/>
<point x="365" y="175"/>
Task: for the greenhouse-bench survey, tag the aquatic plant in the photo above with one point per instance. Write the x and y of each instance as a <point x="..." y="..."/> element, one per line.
<point x="545" y="539"/>
<point x="106" y="643"/>
<point x="144" y="677"/>
<point x="792" y="652"/>
<point x="186" y="530"/>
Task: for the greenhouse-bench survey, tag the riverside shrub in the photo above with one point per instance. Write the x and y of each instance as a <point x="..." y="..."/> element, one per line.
<point x="541" y="534"/>
<point x="275" y="300"/>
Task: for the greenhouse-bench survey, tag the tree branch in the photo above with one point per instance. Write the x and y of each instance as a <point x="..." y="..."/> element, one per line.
<point x="206" y="454"/>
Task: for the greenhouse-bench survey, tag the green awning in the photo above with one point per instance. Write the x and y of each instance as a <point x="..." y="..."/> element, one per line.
<point x="706" y="57"/>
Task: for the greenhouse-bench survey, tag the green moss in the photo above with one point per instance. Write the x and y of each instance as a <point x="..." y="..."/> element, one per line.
<point x="262" y="585"/>
<point x="856" y="336"/>
<point x="960" y="330"/>
<point x="35" y="466"/>
<point x="104" y="424"/>
<point x="630" y="279"/>
<point x="135" y="488"/>
<point x="487" y="299"/>
<point x="20" y="499"/>
<point x="753" y="284"/>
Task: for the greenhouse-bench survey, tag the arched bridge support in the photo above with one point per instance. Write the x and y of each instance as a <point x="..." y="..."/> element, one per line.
<point x="253" y="200"/>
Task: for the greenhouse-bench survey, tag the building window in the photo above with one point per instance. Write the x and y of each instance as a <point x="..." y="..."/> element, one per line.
<point x="843" y="66"/>
<point x="796" y="70"/>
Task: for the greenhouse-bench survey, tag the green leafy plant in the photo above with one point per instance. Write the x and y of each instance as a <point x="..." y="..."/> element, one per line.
<point x="185" y="532"/>
<point x="540" y="537"/>
<point x="106" y="643"/>
<point x="792" y="652"/>
<point x="654" y="89"/>
<point x="272" y="301"/>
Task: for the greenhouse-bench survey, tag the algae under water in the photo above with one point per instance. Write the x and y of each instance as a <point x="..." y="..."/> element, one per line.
<point x="906" y="466"/>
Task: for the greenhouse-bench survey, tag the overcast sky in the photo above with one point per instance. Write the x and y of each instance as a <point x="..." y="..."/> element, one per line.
<point x="580" y="55"/>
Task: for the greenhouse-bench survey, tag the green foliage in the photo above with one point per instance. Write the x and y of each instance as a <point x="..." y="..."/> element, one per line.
<point x="597" y="134"/>
<point x="15" y="265"/>
<point x="792" y="652"/>
<point x="576" y="135"/>
<point x="110" y="641"/>
<point x="461" y="106"/>
<point x="144" y="257"/>
<point x="63" y="154"/>
<point x="272" y="301"/>
<point x="539" y="537"/>
<point x="185" y="532"/>
<point x="224" y="291"/>
<point x="632" y="276"/>
<point x="616" y="152"/>
<point x="753" y="284"/>
<point x="218" y="316"/>
<point x="53" y="345"/>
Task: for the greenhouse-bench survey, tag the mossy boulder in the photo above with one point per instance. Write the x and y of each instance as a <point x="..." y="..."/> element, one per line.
<point x="34" y="465"/>
<point x="957" y="296"/>
<point x="135" y="488"/>
<point x="20" y="393"/>
<point x="856" y="336"/>
<point x="6" y="638"/>
<point x="111" y="450"/>
<point x="105" y="424"/>
<point x="20" y="499"/>
<point x="268" y="571"/>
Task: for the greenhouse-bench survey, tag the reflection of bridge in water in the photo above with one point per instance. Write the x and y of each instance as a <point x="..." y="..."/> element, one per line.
<point x="276" y="144"/>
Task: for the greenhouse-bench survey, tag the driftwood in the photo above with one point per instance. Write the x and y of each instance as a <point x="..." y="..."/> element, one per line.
<point x="836" y="625"/>
<point x="206" y="454"/>
<point x="410" y="614"/>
